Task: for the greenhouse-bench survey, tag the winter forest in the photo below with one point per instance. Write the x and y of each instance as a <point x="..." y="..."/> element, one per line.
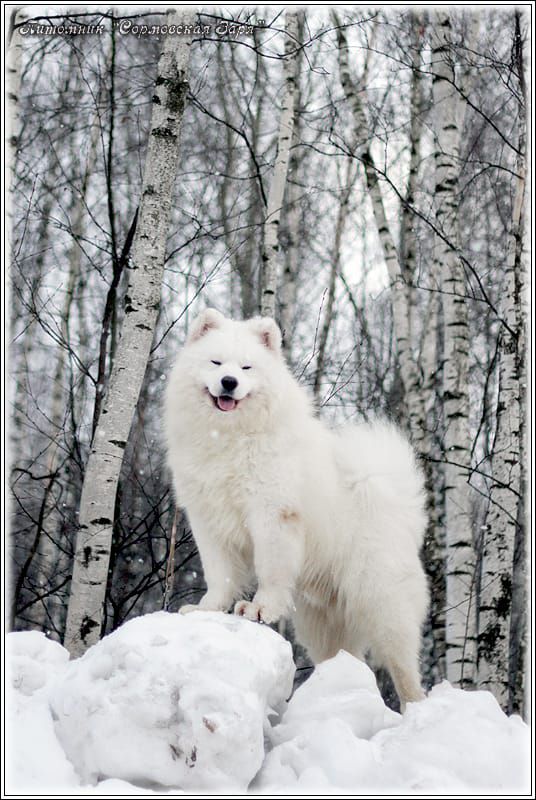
<point x="357" y="173"/>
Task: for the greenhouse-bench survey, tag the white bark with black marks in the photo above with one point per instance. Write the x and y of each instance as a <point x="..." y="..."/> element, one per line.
<point x="13" y="81"/>
<point x="289" y="282"/>
<point x="270" y="254"/>
<point x="448" y="114"/>
<point x="424" y="356"/>
<point x="13" y="115"/>
<point x="502" y="523"/>
<point x="96" y="517"/>
<point x="416" y="393"/>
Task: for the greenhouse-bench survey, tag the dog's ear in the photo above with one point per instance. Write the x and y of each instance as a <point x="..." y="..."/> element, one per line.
<point x="207" y="321"/>
<point x="268" y="332"/>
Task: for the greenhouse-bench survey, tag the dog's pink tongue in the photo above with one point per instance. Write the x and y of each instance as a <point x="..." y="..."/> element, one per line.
<point x="226" y="403"/>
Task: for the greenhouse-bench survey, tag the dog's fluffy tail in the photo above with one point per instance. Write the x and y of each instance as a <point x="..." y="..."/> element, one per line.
<point x="379" y="464"/>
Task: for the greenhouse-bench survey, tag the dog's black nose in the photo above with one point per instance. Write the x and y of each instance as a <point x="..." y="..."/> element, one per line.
<point x="229" y="383"/>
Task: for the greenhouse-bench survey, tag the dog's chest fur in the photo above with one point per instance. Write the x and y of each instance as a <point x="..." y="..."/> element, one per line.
<point x="223" y="472"/>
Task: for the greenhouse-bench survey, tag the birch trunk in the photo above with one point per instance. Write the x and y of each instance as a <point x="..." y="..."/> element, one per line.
<point x="520" y="653"/>
<point x="96" y="518"/>
<point x="289" y="282"/>
<point x="414" y="384"/>
<point x="225" y="185"/>
<point x="504" y="523"/>
<point x="460" y="573"/>
<point x="420" y="389"/>
<point x="270" y="254"/>
<point x="12" y="133"/>
<point x="250" y="266"/>
<point x="433" y="554"/>
<point x="13" y="79"/>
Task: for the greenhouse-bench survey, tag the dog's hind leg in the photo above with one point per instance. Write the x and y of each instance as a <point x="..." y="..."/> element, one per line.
<point x="407" y="682"/>
<point x="318" y="631"/>
<point x="399" y="654"/>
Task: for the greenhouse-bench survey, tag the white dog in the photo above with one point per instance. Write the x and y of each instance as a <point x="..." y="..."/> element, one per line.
<point x="326" y="524"/>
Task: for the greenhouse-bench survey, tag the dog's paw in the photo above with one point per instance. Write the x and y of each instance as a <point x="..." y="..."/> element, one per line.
<point x="257" y="612"/>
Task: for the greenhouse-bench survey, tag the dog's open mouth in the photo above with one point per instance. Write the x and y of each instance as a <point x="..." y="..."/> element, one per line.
<point x="224" y="402"/>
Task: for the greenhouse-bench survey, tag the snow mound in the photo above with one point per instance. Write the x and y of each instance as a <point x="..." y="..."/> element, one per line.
<point x="33" y="660"/>
<point x="170" y="705"/>
<point x="457" y="740"/>
<point x="337" y="735"/>
<point x="343" y="688"/>
<point x="35" y="759"/>
<point x="171" y="700"/>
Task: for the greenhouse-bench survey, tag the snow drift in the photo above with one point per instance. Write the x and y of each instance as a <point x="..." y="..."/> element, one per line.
<point x="172" y="703"/>
<point x="337" y="732"/>
<point x="35" y="760"/>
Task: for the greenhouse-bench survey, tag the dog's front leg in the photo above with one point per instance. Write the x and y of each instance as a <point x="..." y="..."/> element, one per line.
<point x="278" y="543"/>
<point x="224" y="572"/>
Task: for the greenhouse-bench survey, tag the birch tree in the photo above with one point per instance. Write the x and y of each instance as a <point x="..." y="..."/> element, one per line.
<point x="97" y="505"/>
<point x="270" y="252"/>
<point x="13" y="75"/>
<point x="503" y="519"/>
<point x="419" y="379"/>
<point x="13" y="115"/>
<point x="414" y="381"/>
<point x="448" y="114"/>
<point x="289" y="282"/>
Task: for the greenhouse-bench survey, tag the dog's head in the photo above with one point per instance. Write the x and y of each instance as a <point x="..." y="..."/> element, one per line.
<point x="233" y="367"/>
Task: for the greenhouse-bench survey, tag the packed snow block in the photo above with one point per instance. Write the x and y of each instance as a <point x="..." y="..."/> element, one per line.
<point x="174" y="700"/>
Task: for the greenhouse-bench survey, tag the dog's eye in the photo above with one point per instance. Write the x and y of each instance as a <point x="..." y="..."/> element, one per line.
<point x="216" y="363"/>
<point x="249" y="367"/>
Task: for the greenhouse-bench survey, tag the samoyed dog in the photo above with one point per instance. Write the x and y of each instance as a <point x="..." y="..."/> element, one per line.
<point x="325" y="525"/>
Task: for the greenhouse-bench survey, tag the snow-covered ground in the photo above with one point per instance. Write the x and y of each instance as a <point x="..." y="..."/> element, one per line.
<point x="172" y="704"/>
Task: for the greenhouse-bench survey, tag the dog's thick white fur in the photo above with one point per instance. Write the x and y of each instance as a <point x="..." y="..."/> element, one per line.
<point x="326" y="524"/>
